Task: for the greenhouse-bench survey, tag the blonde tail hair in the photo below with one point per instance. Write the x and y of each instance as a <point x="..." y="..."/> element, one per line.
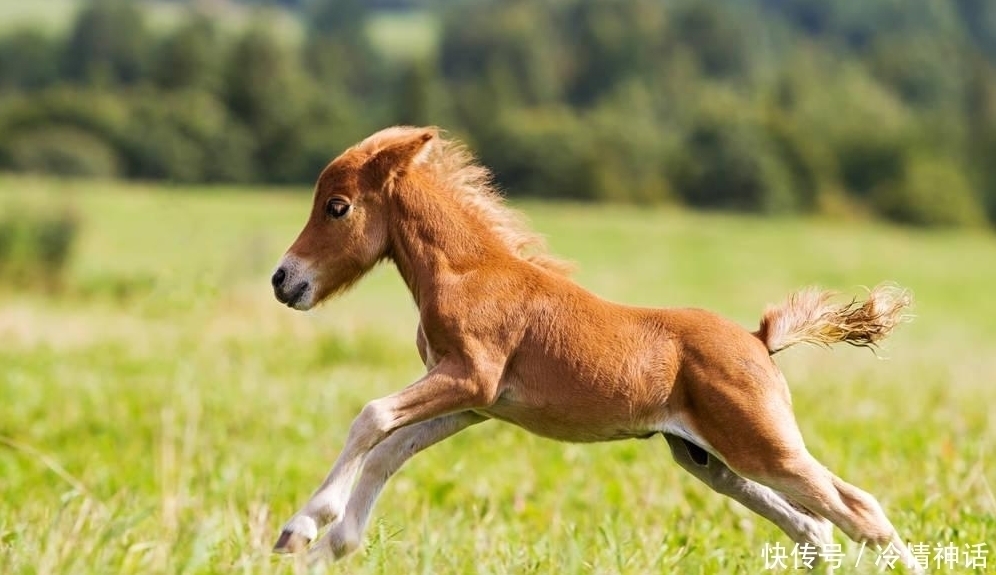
<point x="809" y="316"/>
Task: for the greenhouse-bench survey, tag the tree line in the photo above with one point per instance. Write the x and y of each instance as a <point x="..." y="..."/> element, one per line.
<point x="875" y="108"/>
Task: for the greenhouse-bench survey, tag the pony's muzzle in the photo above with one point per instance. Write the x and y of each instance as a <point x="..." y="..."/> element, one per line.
<point x="278" y="278"/>
<point x="287" y="292"/>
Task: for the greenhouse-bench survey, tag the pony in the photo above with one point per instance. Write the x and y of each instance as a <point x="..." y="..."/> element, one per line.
<point x="505" y="334"/>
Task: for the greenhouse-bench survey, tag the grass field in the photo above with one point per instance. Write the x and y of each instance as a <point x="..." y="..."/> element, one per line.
<point x="163" y="414"/>
<point x="400" y="36"/>
<point x="57" y="16"/>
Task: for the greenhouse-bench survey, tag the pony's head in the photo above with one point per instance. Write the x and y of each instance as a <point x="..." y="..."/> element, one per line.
<point x="347" y="231"/>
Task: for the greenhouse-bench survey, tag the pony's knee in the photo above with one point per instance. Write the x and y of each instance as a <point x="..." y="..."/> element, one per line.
<point x="373" y="424"/>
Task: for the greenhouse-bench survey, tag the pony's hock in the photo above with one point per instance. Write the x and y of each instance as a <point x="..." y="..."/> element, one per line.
<point x="505" y="334"/>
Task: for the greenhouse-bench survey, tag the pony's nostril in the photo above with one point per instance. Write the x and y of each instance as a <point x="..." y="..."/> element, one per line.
<point x="278" y="277"/>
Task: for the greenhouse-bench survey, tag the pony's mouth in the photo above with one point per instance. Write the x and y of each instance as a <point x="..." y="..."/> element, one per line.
<point x="291" y="298"/>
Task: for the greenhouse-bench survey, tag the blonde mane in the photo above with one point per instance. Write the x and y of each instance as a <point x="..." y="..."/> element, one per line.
<point x="474" y="188"/>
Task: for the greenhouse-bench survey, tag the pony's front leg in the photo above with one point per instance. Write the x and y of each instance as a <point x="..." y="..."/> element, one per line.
<point x="383" y="462"/>
<point x="442" y="391"/>
<point x="329" y="500"/>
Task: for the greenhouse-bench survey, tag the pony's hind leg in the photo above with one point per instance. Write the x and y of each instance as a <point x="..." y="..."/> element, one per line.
<point x="854" y="511"/>
<point x="768" y="448"/>
<point x="802" y="527"/>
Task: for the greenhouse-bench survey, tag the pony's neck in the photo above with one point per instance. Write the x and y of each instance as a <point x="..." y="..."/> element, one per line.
<point x="433" y="239"/>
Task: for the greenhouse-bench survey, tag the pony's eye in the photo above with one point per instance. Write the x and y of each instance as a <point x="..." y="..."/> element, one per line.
<point x="338" y="207"/>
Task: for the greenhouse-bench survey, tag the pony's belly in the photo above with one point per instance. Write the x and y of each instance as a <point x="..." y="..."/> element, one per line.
<point x="571" y="422"/>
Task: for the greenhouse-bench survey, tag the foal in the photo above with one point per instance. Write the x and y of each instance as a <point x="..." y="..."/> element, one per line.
<point x="504" y="334"/>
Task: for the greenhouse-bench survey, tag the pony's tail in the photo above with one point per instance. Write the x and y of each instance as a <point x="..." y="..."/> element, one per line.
<point x="809" y="316"/>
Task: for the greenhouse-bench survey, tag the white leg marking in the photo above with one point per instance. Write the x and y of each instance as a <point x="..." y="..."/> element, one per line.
<point x="329" y="501"/>
<point x="346" y="533"/>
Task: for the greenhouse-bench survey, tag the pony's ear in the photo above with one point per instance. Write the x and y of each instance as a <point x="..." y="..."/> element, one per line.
<point x="400" y="154"/>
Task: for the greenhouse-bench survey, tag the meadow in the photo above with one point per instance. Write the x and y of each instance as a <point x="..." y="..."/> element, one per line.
<point x="162" y="413"/>
<point x="57" y="16"/>
<point x="399" y="36"/>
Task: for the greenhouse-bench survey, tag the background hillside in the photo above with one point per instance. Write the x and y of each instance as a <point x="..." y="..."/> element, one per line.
<point x="881" y="108"/>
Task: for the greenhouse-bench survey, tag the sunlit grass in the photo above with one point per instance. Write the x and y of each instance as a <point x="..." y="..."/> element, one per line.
<point x="49" y="15"/>
<point x="405" y="35"/>
<point x="57" y="16"/>
<point x="164" y="415"/>
<point x="400" y="36"/>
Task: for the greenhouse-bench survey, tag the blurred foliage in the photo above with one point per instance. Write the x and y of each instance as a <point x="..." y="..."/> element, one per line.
<point x="770" y="106"/>
<point x="35" y="245"/>
<point x="62" y="151"/>
<point x="933" y="191"/>
<point x="108" y="44"/>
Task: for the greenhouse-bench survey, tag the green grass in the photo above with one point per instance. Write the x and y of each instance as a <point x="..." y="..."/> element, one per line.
<point x="50" y="15"/>
<point x="165" y="415"/>
<point x="400" y="36"/>
<point x="57" y="16"/>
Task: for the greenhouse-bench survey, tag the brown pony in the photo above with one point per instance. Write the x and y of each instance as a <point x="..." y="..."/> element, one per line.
<point x="504" y="334"/>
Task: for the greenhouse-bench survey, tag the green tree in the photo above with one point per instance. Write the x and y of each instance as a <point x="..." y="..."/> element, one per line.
<point x="728" y="161"/>
<point x="979" y="116"/>
<point x="265" y="90"/>
<point x="546" y="153"/>
<point x="186" y="136"/>
<point x="337" y="49"/>
<point x="612" y="41"/>
<point x="63" y="131"/>
<point x="933" y="191"/>
<point x="979" y="18"/>
<point x="922" y="68"/>
<point x="188" y="56"/>
<point x="108" y="43"/>
<point x="512" y="47"/>
<point x="344" y="19"/>
<point x="419" y="98"/>
<point x="29" y="60"/>
<point x="713" y="35"/>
